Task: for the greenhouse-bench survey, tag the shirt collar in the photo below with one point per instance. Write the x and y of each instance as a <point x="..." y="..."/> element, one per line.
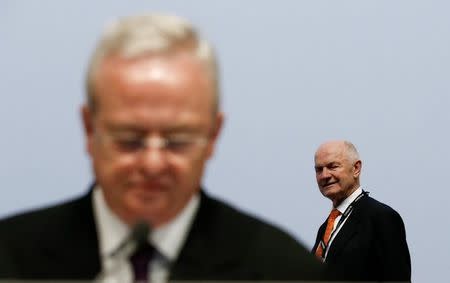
<point x="167" y="239"/>
<point x="346" y="202"/>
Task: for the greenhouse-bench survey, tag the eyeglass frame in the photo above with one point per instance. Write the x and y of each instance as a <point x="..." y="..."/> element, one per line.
<point x="177" y="144"/>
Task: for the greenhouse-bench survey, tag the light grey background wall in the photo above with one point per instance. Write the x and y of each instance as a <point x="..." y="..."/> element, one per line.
<point x="294" y="74"/>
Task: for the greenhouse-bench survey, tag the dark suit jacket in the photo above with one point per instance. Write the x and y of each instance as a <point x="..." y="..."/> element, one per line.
<point x="371" y="245"/>
<point x="60" y="242"/>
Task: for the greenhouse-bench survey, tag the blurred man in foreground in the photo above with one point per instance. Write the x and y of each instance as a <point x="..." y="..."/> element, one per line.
<point x="362" y="239"/>
<point x="151" y="121"/>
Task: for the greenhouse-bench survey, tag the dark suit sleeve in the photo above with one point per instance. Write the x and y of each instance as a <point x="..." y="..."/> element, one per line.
<point x="392" y="247"/>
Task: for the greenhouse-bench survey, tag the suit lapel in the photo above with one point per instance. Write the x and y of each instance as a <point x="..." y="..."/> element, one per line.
<point x="348" y="230"/>
<point x="319" y="236"/>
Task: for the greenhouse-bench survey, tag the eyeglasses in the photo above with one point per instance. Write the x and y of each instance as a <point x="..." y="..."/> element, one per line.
<point x="132" y="144"/>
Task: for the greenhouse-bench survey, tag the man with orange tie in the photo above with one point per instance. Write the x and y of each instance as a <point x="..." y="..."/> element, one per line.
<point x="362" y="238"/>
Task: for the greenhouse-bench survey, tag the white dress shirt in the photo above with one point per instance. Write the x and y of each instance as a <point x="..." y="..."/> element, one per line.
<point x="167" y="240"/>
<point x="342" y="207"/>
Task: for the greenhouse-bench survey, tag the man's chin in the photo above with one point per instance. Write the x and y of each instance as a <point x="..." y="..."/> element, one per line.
<point x="145" y="206"/>
<point x="146" y="214"/>
<point x="330" y="192"/>
<point x="327" y="190"/>
<point x="143" y="197"/>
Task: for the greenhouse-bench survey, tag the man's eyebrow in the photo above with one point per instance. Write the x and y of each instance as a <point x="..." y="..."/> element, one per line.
<point x="163" y="130"/>
<point x="126" y="130"/>
<point x="182" y="128"/>
<point x="327" y="164"/>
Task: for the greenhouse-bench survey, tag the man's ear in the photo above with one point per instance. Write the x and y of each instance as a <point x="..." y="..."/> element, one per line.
<point x="357" y="168"/>
<point x="218" y="123"/>
<point x="88" y="127"/>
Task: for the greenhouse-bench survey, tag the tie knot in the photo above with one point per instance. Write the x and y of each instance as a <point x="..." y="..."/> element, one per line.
<point x="334" y="213"/>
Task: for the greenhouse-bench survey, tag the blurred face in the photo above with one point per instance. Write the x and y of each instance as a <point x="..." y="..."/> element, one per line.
<point x="337" y="177"/>
<point x="153" y="129"/>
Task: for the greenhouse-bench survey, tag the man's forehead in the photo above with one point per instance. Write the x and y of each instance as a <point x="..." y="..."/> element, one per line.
<point x="153" y="71"/>
<point x="146" y="63"/>
<point x="330" y="152"/>
<point x="150" y="72"/>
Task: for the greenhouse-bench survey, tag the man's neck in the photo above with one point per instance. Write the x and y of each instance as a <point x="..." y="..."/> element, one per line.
<point x="338" y="201"/>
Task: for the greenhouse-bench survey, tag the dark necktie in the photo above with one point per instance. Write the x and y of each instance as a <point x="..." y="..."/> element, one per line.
<point x="140" y="260"/>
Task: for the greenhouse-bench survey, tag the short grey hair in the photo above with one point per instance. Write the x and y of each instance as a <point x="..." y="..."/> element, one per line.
<point x="141" y="35"/>
<point x="351" y="152"/>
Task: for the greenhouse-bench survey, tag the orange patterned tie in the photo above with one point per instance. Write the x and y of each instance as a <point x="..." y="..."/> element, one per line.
<point x="326" y="237"/>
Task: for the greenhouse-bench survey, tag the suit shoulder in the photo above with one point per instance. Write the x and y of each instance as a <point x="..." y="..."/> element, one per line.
<point x="41" y="218"/>
<point x="379" y="211"/>
<point x="378" y="206"/>
<point x="259" y="245"/>
<point x="251" y="232"/>
<point x="243" y="222"/>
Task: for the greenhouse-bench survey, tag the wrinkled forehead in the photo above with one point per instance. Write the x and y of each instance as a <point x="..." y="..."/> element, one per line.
<point x="330" y="152"/>
<point x="173" y="70"/>
<point x="161" y="66"/>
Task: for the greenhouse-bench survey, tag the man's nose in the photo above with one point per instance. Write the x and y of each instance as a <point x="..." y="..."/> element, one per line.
<point x="325" y="173"/>
<point x="153" y="160"/>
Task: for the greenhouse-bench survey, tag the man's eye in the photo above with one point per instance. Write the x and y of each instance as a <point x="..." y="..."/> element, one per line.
<point x="178" y="143"/>
<point x="129" y="144"/>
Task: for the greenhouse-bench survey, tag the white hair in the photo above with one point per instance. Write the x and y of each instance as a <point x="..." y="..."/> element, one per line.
<point x="142" y="35"/>
<point x="351" y="151"/>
